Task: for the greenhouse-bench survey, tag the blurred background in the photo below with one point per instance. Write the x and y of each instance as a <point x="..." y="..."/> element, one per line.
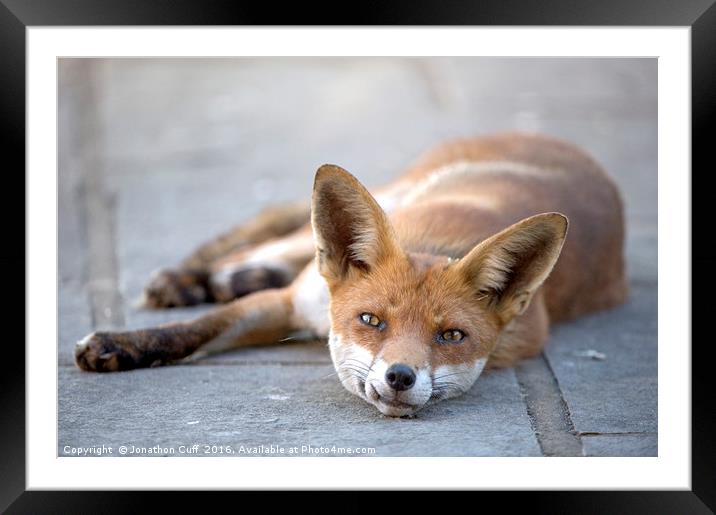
<point x="158" y="155"/>
<point x="193" y="146"/>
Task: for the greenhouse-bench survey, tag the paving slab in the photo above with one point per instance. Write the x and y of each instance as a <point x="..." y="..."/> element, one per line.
<point x="606" y="366"/>
<point x="74" y="322"/>
<point x="277" y="116"/>
<point x="298" y="351"/>
<point x="642" y="253"/>
<point x="620" y="445"/>
<point x="286" y="406"/>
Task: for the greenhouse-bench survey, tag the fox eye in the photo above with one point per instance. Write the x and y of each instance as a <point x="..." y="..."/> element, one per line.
<point x="452" y="336"/>
<point x="371" y="319"/>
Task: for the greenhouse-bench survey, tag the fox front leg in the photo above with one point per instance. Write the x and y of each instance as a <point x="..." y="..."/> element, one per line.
<point x="260" y="318"/>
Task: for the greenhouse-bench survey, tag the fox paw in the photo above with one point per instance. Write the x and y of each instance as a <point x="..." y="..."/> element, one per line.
<point x="103" y="352"/>
<point x="175" y="288"/>
<point x="230" y="284"/>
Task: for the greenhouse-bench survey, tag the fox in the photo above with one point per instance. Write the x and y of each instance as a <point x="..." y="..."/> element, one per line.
<point x="461" y="264"/>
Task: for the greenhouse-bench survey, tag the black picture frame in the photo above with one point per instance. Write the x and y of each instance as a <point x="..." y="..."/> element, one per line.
<point x="17" y="15"/>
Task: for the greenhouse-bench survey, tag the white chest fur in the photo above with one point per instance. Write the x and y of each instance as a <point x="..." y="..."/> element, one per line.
<point x="310" y="300"/>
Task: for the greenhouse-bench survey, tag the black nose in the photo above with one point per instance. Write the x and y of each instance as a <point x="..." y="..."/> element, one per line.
<point x="400" y="377"/>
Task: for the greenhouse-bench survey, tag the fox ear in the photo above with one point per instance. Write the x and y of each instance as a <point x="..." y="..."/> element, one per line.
<point x="510" y="266"/>
<point x="351" y="230"/>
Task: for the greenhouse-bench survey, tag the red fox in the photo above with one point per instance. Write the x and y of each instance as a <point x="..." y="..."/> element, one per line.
<point x="450" y="269"/>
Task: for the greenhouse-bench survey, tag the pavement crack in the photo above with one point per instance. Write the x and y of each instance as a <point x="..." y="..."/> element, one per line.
<point x="547" y="409"/>
<point x="617" y="433"/>
<point x="98" y="214"/>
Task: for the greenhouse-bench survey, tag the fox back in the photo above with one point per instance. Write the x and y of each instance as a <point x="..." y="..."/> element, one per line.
<point x="466" y="266"/>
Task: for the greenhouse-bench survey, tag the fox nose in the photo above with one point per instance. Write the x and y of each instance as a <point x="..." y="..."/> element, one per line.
<point x="400" y="377"/>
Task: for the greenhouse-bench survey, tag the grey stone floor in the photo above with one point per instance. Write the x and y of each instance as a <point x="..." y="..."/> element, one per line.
<point x="158" y="155"/>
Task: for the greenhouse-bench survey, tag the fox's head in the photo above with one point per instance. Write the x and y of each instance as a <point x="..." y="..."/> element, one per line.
<point x="409" y="329"/>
